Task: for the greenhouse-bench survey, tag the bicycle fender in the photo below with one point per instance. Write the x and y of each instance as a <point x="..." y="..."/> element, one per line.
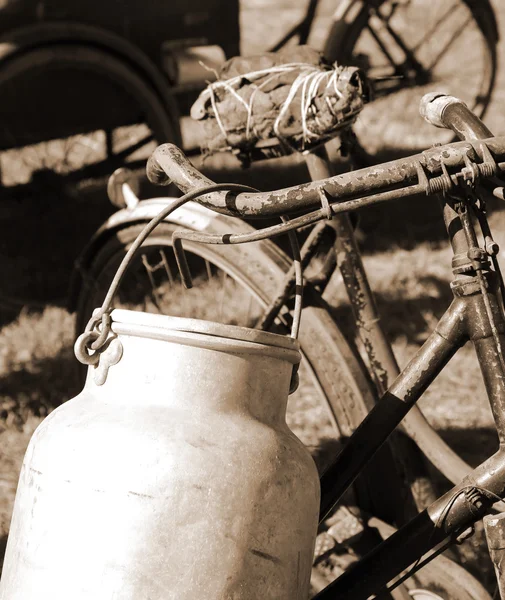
<point x="192" y="216"/>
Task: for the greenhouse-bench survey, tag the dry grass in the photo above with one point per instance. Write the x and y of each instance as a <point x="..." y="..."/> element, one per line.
<point x="36" y="374"/>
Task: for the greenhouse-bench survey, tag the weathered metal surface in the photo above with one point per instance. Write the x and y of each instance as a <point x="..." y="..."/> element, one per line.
<point x="466" y="317"/>
<point x="494" y="526"/>
<point x="369" y="327"/>
<point x="388" y="467"/>
<point x="286" y="290"/>
<point x="477" y="315"/>
<point x="168" y="163"/>
<point x="168" y="481"/>
<point x="391" y="408"/>
<point x="450" y="515"/>
<point x="487" y="332"/>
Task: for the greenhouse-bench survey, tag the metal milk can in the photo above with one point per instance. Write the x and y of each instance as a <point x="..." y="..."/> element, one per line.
<point x="173" y="475"/>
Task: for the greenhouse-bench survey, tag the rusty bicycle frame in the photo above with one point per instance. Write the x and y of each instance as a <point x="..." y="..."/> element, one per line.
<point x="463" y="173"/>
<point x="476" y="315"/>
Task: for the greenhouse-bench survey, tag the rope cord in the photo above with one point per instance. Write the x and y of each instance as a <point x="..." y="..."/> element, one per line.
<point x="308" y="82"/>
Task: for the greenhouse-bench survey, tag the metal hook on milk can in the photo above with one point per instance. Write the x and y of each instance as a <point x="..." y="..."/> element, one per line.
<point x="178" y="478"/>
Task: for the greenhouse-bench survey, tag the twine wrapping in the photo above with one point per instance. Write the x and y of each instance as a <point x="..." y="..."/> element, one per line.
<point x="301" y="103"/>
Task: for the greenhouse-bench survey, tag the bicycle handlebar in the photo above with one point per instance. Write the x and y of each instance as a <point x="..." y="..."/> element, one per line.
<point x="434" y="170"/>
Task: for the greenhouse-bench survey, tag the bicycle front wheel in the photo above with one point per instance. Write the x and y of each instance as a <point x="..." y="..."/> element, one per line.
<point x="233" y="285"/>
<point x="409" y="48"/>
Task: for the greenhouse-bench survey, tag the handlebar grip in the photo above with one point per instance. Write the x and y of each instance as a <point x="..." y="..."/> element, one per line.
<point x="433" y="106"/>
<point x="449" y="112"/>
<point x="168" y="164"/>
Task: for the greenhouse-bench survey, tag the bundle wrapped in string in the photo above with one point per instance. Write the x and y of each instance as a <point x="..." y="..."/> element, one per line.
<point x="293" y="99"/>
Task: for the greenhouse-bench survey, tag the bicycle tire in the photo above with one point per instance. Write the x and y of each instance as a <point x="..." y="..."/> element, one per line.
<point x="261" y="269"/>
<point x="336" y="372"/>
<point x="56" y="169"/>
<point x="77" y="60"/>
<point x="398" y="128"/>
<point x="339" y="374"/>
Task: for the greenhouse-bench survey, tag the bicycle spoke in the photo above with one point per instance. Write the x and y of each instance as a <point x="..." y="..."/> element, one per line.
<point x="130" y="287"/>
<point x="99" y="169"/>
<point x="215" y="295"/>
<point x="168" y="270"/>
<point x="134" y="147"/>
<point x="383" y="48"/>
<point x="431" y="32"/>
<point x="411" y="60"/>
<point x="208" y="269"/>
<point x="154" y="294"/>
<point x="224" y="278"/>
<point x="248" y="311"/>
<point x="451" y="41"/>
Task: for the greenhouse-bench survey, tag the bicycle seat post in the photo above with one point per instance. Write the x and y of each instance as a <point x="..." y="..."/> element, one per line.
<point x="384" y="365"/>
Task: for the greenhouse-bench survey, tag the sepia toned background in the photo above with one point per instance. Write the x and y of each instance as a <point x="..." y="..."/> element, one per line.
<point x="409" y="272"/>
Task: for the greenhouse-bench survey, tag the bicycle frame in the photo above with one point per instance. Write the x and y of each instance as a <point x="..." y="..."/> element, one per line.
<point x="467" y="318"/>
<point x="301" y="29"/>
<point x="344" y="14"/>
<point x="476" y="314"/>
<point x="466" y="503"/>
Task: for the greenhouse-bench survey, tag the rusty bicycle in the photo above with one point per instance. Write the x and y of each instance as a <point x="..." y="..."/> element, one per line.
<point x="254" y="285"/>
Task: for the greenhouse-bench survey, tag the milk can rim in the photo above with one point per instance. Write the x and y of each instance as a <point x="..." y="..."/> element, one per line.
<point x="199" y="326"/>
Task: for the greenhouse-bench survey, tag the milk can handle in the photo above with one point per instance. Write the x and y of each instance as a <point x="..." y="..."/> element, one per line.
<point x="93" y="339"/>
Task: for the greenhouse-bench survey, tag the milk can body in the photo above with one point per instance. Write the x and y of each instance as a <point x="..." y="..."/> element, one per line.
<point x="175" y="478"/>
